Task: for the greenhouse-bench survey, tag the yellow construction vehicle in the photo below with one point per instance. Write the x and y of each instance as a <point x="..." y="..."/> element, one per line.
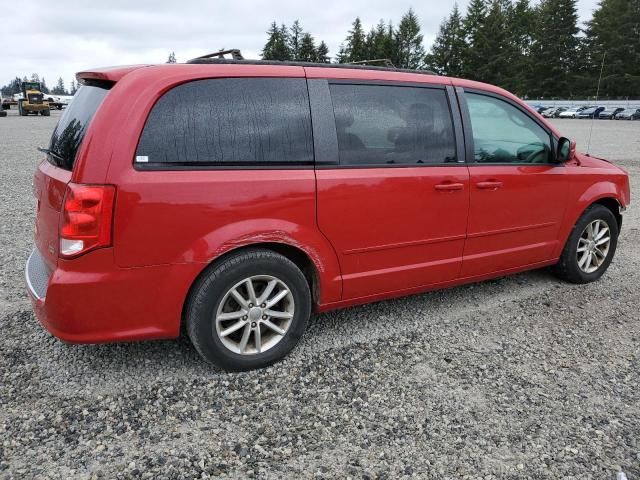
<point x="32" y="100"/>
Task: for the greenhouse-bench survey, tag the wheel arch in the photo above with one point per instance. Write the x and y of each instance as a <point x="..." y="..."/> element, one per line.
<point x="294" y="253"/>
<point x="613" y="205"/>
<point x="604" y="194"/>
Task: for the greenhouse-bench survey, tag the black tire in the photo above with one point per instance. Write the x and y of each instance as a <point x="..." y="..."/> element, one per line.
<point x="567" y="268"/>
<point x="210" y="289"/>
<point x="46" y="113"/>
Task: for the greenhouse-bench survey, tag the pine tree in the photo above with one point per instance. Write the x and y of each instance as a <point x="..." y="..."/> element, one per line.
<point x="277" y="46"/>
<point x="59" y="88"/>
<point x="342" y="56"/>
<point x="448" y="48"/>
<point x="473" y="29"/>
<point x="380" y="42"/>
<point x="614" y="30"/>
<point x="411" y="52"/>
<point x="520" y="23"/>
<point x="307" y="52"/>
<point x="295" y="40"/>
<point x="322" y="53"/>
<point x="43" y="85"/>
<point x="554" y="51"/>
<point x="355" y="47"/>
<point x="73" y="89"/>
<point x="495" y="40"/>
<point x="172" y="58"/>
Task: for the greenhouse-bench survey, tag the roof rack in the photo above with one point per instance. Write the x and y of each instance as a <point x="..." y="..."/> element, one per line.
<point x="216" y="59"/>
<point x="234" y="52"/>
<point x="384" y="62"/>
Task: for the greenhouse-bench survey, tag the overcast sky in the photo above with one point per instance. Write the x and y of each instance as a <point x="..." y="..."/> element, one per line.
<point x="57" y="39"/>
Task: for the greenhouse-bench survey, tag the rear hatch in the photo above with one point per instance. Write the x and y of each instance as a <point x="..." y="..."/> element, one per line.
<point x="54" y="173"/>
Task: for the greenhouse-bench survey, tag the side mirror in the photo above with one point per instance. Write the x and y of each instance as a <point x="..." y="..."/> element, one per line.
<point x="566" y="149"/>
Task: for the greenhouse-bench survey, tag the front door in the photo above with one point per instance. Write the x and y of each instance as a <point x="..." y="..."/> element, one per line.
<point x="518" y="194"/>
<point x="395" y="205"/>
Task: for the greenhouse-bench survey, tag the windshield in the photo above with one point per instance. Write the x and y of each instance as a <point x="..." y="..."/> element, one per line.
<point x="69" y="132"/>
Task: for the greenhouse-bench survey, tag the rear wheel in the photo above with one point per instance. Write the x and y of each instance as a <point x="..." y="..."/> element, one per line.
<point x="46" y="113"/>
<point x="248" y="311"/>
<point x="590" y="247"/>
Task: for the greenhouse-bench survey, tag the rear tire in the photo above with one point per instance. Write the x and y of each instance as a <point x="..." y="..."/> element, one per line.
<point x="46" y="113"/>
<point x="590" y="247"/>
<point x="230" y="317"/>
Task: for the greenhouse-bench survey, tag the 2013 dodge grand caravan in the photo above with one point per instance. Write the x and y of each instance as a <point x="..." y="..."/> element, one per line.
<point x="235" y="197"/>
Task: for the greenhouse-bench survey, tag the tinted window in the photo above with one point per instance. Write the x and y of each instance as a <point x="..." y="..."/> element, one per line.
<point x="504" y="134"/>
<point x="389" y="125"/>
<point x="69" y="132"/>
<point x="233" y="121"/>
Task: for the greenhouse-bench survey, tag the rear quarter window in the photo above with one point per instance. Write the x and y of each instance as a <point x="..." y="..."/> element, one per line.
<point x="229" y="122"/>
<point x="73" y="124"/>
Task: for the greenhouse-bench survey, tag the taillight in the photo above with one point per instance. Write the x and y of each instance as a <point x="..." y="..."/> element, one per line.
<point x="87" y="214"/>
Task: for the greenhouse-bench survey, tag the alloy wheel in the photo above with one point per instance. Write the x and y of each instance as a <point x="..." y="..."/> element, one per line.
<point x="254" y="315"/>
<point x="593" y="246"/>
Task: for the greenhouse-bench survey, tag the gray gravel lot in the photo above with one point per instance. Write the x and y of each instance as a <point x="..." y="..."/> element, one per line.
<point x="521" y="377"/>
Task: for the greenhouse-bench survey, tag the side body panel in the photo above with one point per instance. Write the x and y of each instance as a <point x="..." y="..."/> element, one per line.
<point x="391" y="228"/>
<point x="516" y="223"/>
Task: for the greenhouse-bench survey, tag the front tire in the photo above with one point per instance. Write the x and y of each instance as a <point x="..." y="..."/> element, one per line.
<point x="248" y="311"/>
<point x="590" y="247"/>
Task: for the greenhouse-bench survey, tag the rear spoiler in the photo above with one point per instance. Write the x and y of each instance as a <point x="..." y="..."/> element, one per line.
<point x="105" y="74"/>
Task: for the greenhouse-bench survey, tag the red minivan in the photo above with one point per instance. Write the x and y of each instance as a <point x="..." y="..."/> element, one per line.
<point x="236" y="197"/>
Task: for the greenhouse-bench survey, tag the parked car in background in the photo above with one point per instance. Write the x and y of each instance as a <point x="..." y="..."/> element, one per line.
<point x="234" y="198"/>
<point x="541" y="108"/>
<point x="572" y="112"/>
<point x="554" y="112"/>
<point x="609" y="113"/>
<point x="629" y="114"/>
<point x="591" y="112"/>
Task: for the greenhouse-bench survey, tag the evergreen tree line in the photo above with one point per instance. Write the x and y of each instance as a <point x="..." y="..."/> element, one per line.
<point x="534" y="50"/>
<point x="15" y="86"/>
<point x="294" y="44"/>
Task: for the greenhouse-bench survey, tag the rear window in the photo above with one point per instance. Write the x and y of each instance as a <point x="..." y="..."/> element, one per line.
<point x="230" y="122"/>
<point x="69" y="132"/>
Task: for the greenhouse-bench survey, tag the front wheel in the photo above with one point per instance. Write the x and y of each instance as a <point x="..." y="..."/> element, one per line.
<point x="249" y="310"/>
<point x="590" y="247"/>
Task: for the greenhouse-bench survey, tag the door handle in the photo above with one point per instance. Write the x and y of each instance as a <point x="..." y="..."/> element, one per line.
<point x="489" y="185"/>
<point x="449" y="187"/>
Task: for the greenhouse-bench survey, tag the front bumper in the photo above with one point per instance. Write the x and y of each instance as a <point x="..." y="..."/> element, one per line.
<point x="91" y="300"/>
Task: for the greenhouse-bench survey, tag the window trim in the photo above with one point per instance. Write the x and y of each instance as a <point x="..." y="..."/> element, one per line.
<point x="468" y="129"/>
<point x="204" y="166"/>
<point x="456" y="122"/>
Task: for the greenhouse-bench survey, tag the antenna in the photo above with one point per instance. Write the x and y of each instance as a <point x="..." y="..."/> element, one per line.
<point x="593" y="119"/>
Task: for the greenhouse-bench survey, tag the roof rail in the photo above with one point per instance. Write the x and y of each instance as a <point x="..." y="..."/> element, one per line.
<point x="235" y="54"/>
<point x="214" y="59"/>
<point x="384" y="62"/>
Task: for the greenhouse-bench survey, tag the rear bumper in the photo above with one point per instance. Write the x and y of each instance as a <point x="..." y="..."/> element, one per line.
<point x="91" y="300"/>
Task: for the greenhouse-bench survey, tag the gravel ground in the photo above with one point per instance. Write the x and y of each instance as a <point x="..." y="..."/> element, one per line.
<point x="521" y="377"/>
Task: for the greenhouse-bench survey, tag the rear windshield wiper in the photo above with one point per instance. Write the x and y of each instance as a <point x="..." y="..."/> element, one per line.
<point x="55" y="155"/>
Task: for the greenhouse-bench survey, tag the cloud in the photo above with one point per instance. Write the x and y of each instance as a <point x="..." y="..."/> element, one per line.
<point x="67" y="36"/>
